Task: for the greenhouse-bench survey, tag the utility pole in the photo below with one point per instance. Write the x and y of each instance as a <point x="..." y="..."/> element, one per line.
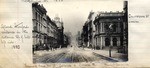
<point x="109" y="33"/>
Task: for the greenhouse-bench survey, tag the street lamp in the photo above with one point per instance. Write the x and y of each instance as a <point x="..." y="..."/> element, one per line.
<point x="109" y="33"/>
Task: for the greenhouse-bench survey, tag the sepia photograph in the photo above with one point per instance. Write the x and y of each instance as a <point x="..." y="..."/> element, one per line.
<point x="74" y="33"/>
<point x="80" y="31"/>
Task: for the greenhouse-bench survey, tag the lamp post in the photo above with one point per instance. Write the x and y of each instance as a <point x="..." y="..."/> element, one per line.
<point x="109" y="33"/>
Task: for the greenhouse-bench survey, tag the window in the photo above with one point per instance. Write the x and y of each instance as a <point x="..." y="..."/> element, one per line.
<point x="114" y="28"/>
<point x="36" y="26"/>
<point x="35" y="15"/>
<point x="39" y="17"/>
<point x="106" y="27"/>
<point x="107" y="41"/>
<point x="114" y="41"/>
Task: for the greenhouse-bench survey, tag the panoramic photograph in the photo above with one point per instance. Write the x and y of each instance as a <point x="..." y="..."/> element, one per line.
<point x="80" y="31"/>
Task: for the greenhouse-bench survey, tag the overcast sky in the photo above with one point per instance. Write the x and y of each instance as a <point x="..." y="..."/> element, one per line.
<point x="75" y="13"/>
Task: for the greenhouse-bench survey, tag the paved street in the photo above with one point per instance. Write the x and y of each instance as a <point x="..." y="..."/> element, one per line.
<point x="92" y="30"/>
<point x="70" y="54"/>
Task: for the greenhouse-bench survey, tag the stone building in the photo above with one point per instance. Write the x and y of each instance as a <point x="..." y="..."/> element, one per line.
<point x="59" y="24"/>
<point x="105" y="37"/>
<point x="111" y="29"/>
<point x="39" y="26"/>
<point x="88" y="31"/>
<point x="104" y="29"/>
<point x="47" y="33"/>
<point x="84" y="35"/>
<point x="52" y="31"/>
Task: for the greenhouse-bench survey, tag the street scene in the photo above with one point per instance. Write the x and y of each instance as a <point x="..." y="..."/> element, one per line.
<point x="93" y="34"/>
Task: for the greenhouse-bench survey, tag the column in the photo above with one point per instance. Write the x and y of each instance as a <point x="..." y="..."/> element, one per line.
<point x="101" y="42"/>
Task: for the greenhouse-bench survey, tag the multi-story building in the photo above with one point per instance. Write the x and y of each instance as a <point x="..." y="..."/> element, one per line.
<point x="52" y="31"/>
<point x="59" y="24"/>
<point x="66" y="40"/>
<point x="102" y="23"/>
<point x="88" y="31"/>
<point x="39" y="25"/>
<point x="79" y="39"/>
<point x="91" y="29"/>
<point x="106" y="29"/>
<point x="47" y="33"/>
<point x="69" y="38"/>
<point x="84" y="35"/>
<point x="111" y="29"/>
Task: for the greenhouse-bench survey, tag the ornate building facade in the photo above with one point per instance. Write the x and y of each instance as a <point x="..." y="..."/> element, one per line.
<point x="89" y="30"/>
<point x="105" y="37"/>
<point x="111" y="29"/>
<point x="52" y="31"/>
<point x="47" y="33"/>
<point x="105" y="29"/>
<point x="39" y="26"/>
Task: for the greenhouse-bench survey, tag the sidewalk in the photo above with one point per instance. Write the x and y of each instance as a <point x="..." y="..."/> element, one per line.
<point x="120" y="57"/>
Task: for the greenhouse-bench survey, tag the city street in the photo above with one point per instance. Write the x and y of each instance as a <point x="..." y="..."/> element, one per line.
<point x="70" y="55"/>
<point x="105" y="31"/>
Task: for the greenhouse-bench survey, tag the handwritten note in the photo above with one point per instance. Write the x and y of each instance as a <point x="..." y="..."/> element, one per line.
<point x="13" y="34"/>
<point x="78" y="65"/>
<point x="137" y="18"/>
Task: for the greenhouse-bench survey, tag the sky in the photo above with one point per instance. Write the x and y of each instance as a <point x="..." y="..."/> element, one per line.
<point x="74" y="13"/>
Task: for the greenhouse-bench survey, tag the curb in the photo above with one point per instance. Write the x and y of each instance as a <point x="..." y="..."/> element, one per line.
<point x="106" y="58"/>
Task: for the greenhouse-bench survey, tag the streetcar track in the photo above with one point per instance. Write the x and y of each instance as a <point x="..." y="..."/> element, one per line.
<point x="72" y="56"/>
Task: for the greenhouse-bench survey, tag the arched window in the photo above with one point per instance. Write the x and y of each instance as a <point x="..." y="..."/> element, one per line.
<point x="114" y="41"/>
<point x="107" y="41"/>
